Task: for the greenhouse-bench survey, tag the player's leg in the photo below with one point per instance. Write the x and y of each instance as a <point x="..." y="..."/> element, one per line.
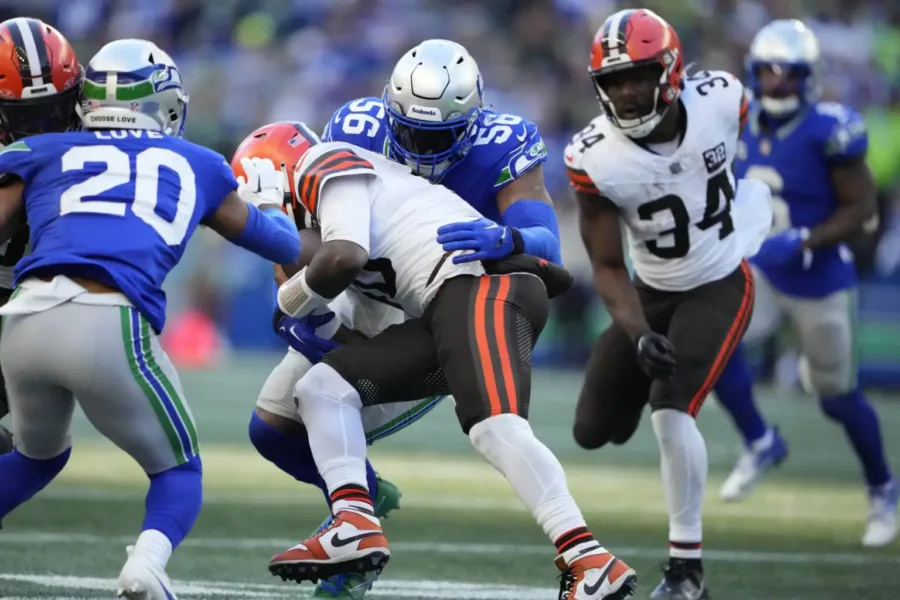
<point x="763" y="447"/>
<point x="614" y="393"/>
<point x="826" y="330"/>
<point x="484" y="330"/>
<point x="130" y="392"/>
<point x="41" y="409"/>
<point x="6" y="438"/>
<point x="399" y="364"/>
<point x="705" y="328"/>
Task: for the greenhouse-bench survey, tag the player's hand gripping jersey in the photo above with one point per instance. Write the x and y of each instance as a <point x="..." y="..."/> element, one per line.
<point x="395" y="221"/>
<point x="504" y="147"/>
<point x="677" y="207"/>
<point x="794" y="161"/>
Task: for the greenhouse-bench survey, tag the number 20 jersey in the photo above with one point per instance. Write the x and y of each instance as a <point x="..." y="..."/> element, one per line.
<point x="114" y="206"/>
<point x="675" y="207"/>
<point x="406" y="264"/>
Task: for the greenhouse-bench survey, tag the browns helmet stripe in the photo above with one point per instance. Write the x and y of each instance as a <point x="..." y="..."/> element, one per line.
<point x="31" y="51"/>
<point x="306" y="132"/>
<point x="614" y="36"/>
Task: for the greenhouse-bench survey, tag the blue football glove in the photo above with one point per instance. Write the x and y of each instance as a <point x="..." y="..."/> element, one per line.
<point x="487" y="240"/>
<point x="300" y="334"/>
<point x="784" y="247"/>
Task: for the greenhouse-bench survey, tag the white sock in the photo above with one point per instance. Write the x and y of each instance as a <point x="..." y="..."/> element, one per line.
<point x="684" y="469"/>
<point x="154" y="545"/>
<point x="507" y="442"/>
<point x="330" y="408"/>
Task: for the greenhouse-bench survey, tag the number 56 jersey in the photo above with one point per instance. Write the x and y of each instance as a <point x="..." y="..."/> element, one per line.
<point x="362" y="197"/>
<point x="675" y="202"/>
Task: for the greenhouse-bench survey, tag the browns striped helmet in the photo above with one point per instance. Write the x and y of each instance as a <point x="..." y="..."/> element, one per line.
<point x="40" y="80"/>
<point x="285" y="143"/>
<point x="644" y="44"/>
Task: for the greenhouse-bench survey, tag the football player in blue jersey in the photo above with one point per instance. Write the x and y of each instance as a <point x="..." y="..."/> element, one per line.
<point x="812" y="154"/>
<point x="432" y="117"/>
<point x="40" y="79"/>
<point x="111" y="209"/>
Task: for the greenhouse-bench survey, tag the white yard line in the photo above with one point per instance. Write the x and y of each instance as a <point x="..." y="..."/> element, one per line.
<point x="226" y="545"/>
<point x="438" y="590"/>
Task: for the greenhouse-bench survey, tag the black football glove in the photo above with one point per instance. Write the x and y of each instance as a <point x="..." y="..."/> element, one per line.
<point x="655" y="354"/>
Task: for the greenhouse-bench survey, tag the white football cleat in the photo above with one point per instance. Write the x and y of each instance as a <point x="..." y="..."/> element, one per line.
<point x="882" y="526"/>
<point x="767" y="452"/>
<point x="140" y="579"/>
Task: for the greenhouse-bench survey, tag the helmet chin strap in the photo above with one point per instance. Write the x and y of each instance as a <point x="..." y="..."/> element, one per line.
<point x="780" y="107"/>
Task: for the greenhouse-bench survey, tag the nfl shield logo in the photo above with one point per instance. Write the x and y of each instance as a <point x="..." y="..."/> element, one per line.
<point x="136" y="106"/>
<point x="765" y="146"/>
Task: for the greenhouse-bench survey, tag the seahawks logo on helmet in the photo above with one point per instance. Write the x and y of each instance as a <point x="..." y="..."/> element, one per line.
<point x="166" y="78"/>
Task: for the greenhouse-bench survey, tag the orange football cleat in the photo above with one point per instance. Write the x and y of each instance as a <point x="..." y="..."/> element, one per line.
<point x="353" y="543"/>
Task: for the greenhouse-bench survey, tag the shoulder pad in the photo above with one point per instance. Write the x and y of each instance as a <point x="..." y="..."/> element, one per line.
<point x="841" y="130"/>
<point x="579" y="150"/>
<point x="509" y="144"/>
<point x="323" y="162"/>
<point x="361" y="122"/>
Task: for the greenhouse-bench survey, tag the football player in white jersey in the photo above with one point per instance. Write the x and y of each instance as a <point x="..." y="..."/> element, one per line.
<point x="470" y="332"/>
<point x="40" y="78"/>
<point x="658" y="163"/>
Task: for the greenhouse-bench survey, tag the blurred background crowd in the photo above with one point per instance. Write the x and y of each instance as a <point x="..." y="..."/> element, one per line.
<point x="248" y="62"/>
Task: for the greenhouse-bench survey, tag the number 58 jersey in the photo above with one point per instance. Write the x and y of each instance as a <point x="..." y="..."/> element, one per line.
<point x="675" y="202"/>
<point x="116" y="207"/>
<point x="359" y="196"/>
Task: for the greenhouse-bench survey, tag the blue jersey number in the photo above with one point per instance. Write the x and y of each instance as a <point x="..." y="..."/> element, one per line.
<point x="497" y="129"/>
<point x="146" y="187"/>
<point x="360" y="118"/>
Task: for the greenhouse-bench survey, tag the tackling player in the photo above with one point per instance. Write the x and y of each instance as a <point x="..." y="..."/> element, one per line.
<point x="373" y="210"/>
<point x="431" y="117"/>
<point x="112" y="209"/>
<point x="39" y="83"/>
<point x="812" y="155"/>
<point x="658" y="163"/>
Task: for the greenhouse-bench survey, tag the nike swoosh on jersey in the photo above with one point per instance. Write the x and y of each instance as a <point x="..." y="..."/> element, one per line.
<point x="338" y="541"/>
<point x="592" y="589"/>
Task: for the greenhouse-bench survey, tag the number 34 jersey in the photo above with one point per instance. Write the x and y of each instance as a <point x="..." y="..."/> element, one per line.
<point x="675" y="205"/>
<point x="394" y="215"/>
<point x="117" y="207"/>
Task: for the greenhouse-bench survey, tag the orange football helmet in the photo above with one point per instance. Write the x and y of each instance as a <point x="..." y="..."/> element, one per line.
<point x="632" y="39"/>
<point x="40" y="80"/>
<point x="285" y="143"/>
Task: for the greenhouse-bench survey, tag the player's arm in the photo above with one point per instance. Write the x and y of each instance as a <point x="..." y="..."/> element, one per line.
<point x="527" y="209"/>
<point x="12" y="206"/>
<point x="854" y="187"/>
<point x="343" y="210"/>
<point x="598" y="222"/>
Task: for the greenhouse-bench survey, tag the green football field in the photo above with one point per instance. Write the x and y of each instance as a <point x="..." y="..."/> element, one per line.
<point x="461" y="534"/>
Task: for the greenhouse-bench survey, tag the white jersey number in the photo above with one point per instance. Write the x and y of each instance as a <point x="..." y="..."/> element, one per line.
<point x="360" y="117"/>
<point x="146" y="187"/>
<point x="497" y="129"/>
<point x="717" y="187"/>
<point x="781" y="212"/>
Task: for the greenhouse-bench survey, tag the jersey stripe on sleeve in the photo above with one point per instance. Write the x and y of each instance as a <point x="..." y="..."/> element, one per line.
<point x="744" y="113"/>
<point x="336" y="162"/>
<point x="581" y="181"/>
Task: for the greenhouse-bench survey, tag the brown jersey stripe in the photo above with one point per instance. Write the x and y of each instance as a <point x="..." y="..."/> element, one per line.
<point x="581" y="181"/>
<point x="327" y="165"/>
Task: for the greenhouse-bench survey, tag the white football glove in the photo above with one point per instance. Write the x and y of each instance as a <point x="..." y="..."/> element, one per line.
<point x="264" y="183"/>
